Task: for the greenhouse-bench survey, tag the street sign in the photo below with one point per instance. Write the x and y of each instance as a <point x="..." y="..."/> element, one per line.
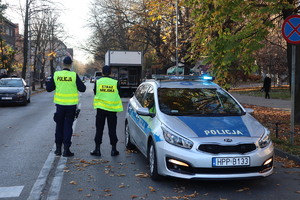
<point x="291" y="33"/>
<point x="291" y="29"/>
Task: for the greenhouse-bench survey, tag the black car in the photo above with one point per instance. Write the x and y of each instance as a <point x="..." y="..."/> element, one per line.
<point x="14" y="91"/>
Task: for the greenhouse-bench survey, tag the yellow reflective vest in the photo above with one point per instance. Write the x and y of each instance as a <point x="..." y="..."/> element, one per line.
<point x="66" y="92"/>
<point x="107" y="95"/>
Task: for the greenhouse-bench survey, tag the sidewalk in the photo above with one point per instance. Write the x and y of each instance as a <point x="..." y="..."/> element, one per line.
<point x="37" y="90"/>
<point x="261" y="101"/>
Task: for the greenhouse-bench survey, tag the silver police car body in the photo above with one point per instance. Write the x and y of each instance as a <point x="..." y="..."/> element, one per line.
<point x="193" y="129"/>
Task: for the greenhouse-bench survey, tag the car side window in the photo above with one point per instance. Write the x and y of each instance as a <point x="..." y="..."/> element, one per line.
<point x="140" y="93"/>
<point x="148" y="101"/>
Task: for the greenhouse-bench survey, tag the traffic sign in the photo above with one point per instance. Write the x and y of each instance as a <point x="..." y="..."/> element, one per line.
<point x="291" y="29"/>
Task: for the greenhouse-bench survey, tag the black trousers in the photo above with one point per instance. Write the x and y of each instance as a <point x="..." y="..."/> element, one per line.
<point x="267" y="95"/>
<point x="111" y="117"/>
<point x="64" y="118"/>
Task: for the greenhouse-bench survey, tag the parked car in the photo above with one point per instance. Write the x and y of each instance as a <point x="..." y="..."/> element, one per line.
<point x="48" y="78"/>
<point x="193" y="129"/>
<point x="92" y="79"/>
<point x="14" y="91"/>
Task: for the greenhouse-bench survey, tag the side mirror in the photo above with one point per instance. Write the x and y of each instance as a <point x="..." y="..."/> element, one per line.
<point x="249" y="110"/>
<point x="144" y="112"/>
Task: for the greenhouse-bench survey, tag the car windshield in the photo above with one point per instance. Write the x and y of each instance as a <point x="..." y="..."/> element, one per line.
<point x="11" y="83"/>
<point x="197" y="101"/>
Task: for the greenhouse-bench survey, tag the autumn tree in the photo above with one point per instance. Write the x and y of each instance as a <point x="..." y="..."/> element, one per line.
<point x="228" y="33"/>
<point x="160" y="31"/>
<point x="108" y="24"/>
<point x="140" y="24"/>
<point x="6" y="52"/>
<point x="28" y="11"/>
<point x="47" y="34"/>
<point x="271" y="58"/>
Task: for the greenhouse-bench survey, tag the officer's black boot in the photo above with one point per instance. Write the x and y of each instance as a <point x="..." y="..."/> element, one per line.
<point x="67" y="152"/>
<point x="114" y="151"/>
<point x="96" y="152"/>
<point x="58" y="150"/>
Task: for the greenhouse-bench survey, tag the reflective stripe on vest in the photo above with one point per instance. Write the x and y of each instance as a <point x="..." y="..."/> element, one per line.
<point x="107" y="95"/>
<point x="65" y="88"/>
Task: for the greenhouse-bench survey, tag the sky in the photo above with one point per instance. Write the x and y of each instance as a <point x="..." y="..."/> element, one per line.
<point x="74" y="16"/>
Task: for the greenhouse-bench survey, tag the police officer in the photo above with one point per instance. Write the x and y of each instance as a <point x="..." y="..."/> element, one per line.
<point x="66" y="85"/>
<point x="107" y="101"/>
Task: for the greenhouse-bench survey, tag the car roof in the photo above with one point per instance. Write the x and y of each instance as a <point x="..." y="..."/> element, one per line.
<point x="183" y="83"/>
<point x="12" y="78"/>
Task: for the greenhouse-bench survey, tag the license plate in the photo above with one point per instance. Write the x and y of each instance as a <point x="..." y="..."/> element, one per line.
<point x="230" y="161"/>
<point x="6" y="98"/>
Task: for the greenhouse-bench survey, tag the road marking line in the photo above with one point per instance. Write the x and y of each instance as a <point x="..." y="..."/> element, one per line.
<point x="54" y="190"/>
<point x="13" y="191"/>
<point x="42" y="178"/>
<point x="53" y="193"/>
<point x="40" y="183"/>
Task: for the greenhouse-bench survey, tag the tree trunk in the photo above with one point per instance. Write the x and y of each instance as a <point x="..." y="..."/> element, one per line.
<point x="25" y="42"/>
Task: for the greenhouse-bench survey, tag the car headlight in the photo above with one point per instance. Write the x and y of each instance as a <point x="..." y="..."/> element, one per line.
<point x="176" y="139"/>
<point x="265" y="140"/>
<point x="21" y="93"/>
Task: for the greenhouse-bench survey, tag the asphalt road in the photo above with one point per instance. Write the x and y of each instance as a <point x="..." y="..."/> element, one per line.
<point x="26" y="138"/>
<point x="29" y="167"/>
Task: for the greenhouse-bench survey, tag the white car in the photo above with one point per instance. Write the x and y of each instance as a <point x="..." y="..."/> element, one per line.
<point x="193" y="129"/>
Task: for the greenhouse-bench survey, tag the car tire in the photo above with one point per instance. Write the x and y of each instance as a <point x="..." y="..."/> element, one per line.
<point x="24" y="103"/>
<point x="152" y="159"/>
<point x="128" y="143"/>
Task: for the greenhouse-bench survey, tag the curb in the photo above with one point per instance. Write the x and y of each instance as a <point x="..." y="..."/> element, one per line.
<point x="284" y="154"/>
<point x="37" y="91"/>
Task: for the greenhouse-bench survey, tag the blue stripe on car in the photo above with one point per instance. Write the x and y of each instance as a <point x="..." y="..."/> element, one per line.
<point x="217" y="126"/>
<point x="142" y="123"/>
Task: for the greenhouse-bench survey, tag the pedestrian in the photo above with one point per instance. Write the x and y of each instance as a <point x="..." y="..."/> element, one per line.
<point x="107" y="101"/>
<point x="66" y="84"/>
<point x="267" y="87"/>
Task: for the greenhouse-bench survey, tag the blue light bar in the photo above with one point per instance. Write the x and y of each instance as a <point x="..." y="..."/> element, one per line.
<point x="204" y="77"/>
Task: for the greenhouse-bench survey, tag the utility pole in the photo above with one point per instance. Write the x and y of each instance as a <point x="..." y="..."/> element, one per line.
<point x="29" y="55"/>
<point x="176" y="33"/>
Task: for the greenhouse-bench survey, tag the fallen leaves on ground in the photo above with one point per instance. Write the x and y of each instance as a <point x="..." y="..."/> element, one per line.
<point x="151" y="189"/>
<point x="184" y="197"/>
<point x="106" y="190"/>
<point x="130" y="151"/>
<point x="278" y="121"/>
<point x="142" y="175"/>
<point x="243" y="189"/>
<point x="133" y="196"/>
<point x="286" y="163"/>
<point x="73" y="182"/>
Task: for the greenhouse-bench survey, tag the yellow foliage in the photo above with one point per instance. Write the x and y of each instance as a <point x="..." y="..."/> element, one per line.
<point x="52" y="54"/>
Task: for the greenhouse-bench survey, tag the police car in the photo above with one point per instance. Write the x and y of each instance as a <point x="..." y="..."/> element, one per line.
<point x="191" y="128"/>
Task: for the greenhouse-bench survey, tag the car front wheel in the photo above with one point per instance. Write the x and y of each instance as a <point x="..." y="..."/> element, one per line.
<point x="128" y="143"/>
<point x="152" y="158"/>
